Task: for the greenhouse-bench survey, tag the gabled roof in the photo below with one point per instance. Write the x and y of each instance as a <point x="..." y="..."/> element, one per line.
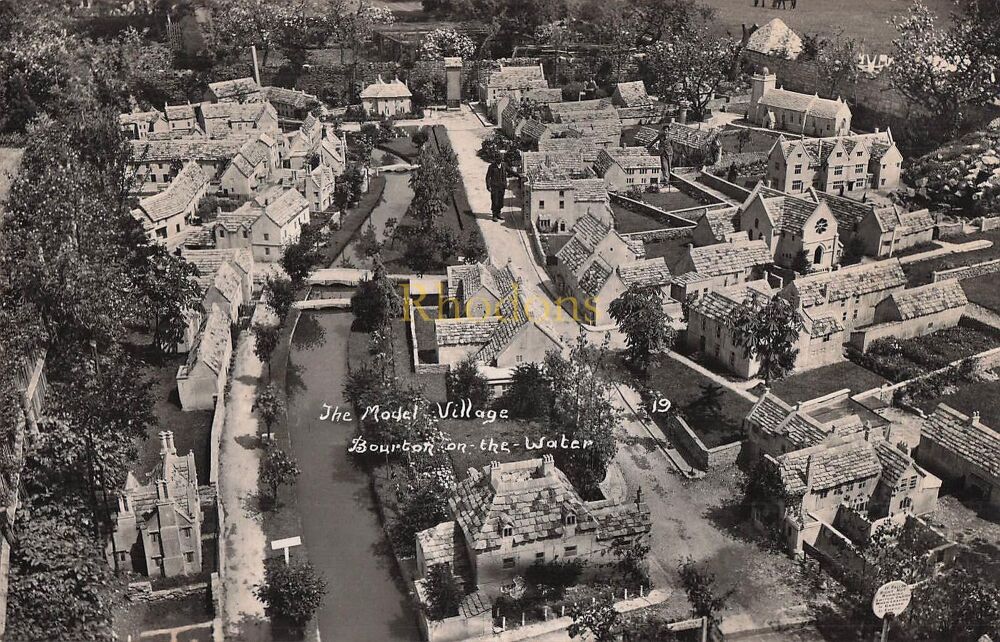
<point x="794" y="101"/>
<point x="153" y="151"/>
<point x="789" y="213"/>
<point x="512" y="317"/>
<point x="254" y="152"/>
<point x="566" y="162"/>
<point x="235" y="88"/>
<point x="894" y="462"/>
<point x="645" y="135"/>
<point x="141" y="117"/>
<point x="854" y="280"/>
<point x="395" y="88"/>
<point x="228" y="282"/>
<point x="847" y="211"/>
<point x="626" y="158"/>
<point x="826" y="467"/>
<point x="209" y="261"/>
<point x="532" y="499"/>
<point x="517" y="77"/>
<point x="438" y="544"/>
<point x="465" y="331"/>
<point x="179" y="112"/>
<point x="645" y="273"/>
<point x="243" y="216"/>
<point x="929" y="299"/>
<point x="633" y="94"/>
<point x="285" y="207"/>
<point x="722" y="221"/>
<point x="588" y="232"/>
<point x="890" y="218"/>
<point x="729" y="258"/>
<point x="178" y="195"/>
<point x="776" y="418"/>
<point x="594" y="277"/>
<point x="688" y="136"/>
<point x="293" y="97"/>
<point x="775" y="37"/>
<point x="210" y="345"/>
<point x="235" y="112"/>
<point x="468" y="279"/>
<point x="965" y="437"/>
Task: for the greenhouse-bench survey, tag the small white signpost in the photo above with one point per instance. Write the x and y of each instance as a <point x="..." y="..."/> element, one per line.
<point x="890" y="600"/>
<point x="285" y="544"/>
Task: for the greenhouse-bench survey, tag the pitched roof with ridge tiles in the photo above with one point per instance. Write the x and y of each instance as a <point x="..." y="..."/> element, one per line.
<point x="894" y="461"/>
<point x="812" y="105"/>
<point x="821" y="468"/>
<point x="645" y="273"/>
<point x="595" y="276"/>
<point x="208" y="262"/>
<point x="847" y="282"/>
<point x="234" y="88"/>
<point x="292" y="97"/>
<point x="532" y="498"/>
<point x="722" y="221"/>
<point x="468" y="279"/>
<point x="178" y="195"/>
<point x="513" y="317"/>
<point x="929" y="299"/>
<point x="395" y="88"/>
<point x="788" y="212"/>
<point x="965" y="437"/>
<point x="777" y="418"/>
<point x="847" y="211"/>
<point x="626" y="158"/>
<point x="517" y="77"/>
<point x="211" y="343"/>
<point x="566" y="162"/>
<point x="588" y="232"/>
<point x="285" y="207"/>
<point x="633" y="94"/>
<point x="465" y="331"/>
<point x="438" y="544"/>
<point x="252" y="153"/>
<point x="687" y="136"/>
<point x="153" y="151"/>
<point x="890" y="218"/>
<point x="730" y="258"/>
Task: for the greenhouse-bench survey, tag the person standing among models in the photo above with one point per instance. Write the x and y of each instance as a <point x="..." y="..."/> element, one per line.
<point x="496" y="183"/>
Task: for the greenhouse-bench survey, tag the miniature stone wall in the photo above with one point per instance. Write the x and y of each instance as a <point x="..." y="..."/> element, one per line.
<point x="968" y="271"/>
<point x="695" y="451"/>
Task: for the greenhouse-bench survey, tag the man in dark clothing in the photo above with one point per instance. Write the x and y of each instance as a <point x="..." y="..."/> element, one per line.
<point x="496" y="182"/>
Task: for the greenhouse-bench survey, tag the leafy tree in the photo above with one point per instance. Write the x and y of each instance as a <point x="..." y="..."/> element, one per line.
<point x="801" y="263"/>
<point x="377" y="301"/>
<point x="169" y="292"/>
<point x="419" y="138"/>
<point x="600" y="620"/>
<point x="277" y="469"/>
<point x="420" y="254"/>
<point x="582" y="409"/>
<point x="631" y="561"/>
<point x="270" y="406"/>
<point x="553" y="577"/>
<point x="473" y="249"/>
<point x="291" y="592"/>
<point x="530" y="392"/>
<point x="444" y="593"/>
<point x="299" y="258"/>
<point x="265" y="342"/>
<point x="640" y="317"/>
<point x="368" y="243"/>
<point x="961" y="604"/>
<point x="947" y="69"/>
<point x="424" y="505"/>
<point x="689" y="66"/>
<point x="466" y="382"/>
<point x="701" y="590"/>
<point x="280" y="295"/>
<point x="768" y="333"/>
<point x="837" y="63"/>
<point x="442" y="43"/>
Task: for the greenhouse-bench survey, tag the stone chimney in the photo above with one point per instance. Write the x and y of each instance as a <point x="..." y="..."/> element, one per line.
<point x="167" y="443"/>
<point x="162" y="490"/>
<point x="548" y="465"/>
<point x="809" y="471"/>
<point x="124" y="504"/>
<point x="974" y="419"/>
<point x="495" y="474"/>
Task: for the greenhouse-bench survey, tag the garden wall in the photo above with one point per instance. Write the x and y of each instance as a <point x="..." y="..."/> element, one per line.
<point x="669" y="219"/>
<point x="986" y="360"/>
<point x="695" y="191"/>
<point x="967" y="271"/>
<point x="418" y="367"/>
<point x="989" y="223"/>
<point x="695" y="451"/>
<point x="666" y="234"/>
<point x="731" y="190"/>
<point x="950" y="230"/>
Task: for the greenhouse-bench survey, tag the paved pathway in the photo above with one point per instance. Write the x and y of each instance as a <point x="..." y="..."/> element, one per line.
<point x="238" y="466"/>
<point x="947" y="248"/>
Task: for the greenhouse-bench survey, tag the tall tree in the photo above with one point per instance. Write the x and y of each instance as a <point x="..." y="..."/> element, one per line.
<point x="444" y="593"/>
<point x="768" y="332"/>
<point x="277" y="469"/>
<point x="265" y="342"/>
<point x="640" y="317"/>
<point x="270" y="406"/>
<point x="299" y="258"/>
<point x="377" y="301"/>
<point x="291" y="593"/>
<point x="837" y="63"/>
<point x="947" y="69"/>
<point x="466" y="382"/>
<point x="530" y="394"/>
<point x="442" y="43"/>
<point x="582" y="409"/>
<point x="280" y="295"/>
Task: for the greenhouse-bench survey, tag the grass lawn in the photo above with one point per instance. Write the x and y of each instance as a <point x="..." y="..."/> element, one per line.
<point x="970" y="397"/>
<point x="826" y="379"/>
<point x="670" y="201"/>
<point x="192" y="430"/>
<point x="402" y="146"/>
<point x="714" y="413"/>
<point x="457" y="218"/>
<point x="628" y="221"/>
<point x="919" y="272"/>
<point x="984" y="291"/>
<point x="860" y="19"/>
<point x="673" y="250"/>
<point x="354" y="218"/>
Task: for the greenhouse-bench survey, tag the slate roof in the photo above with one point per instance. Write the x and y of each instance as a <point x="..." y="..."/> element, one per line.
<point x="208" y="262"/>
<point x="253" y="153"/>
<point x="178" y="195"/>
<point x="965" y="437"/>
<point x="511" y="77"/>
<point x="825" y="326"/>
<point x="688" y="136"/>
<point x="380" y="89"/>
<point x="729" y="258"/>
<point x="243" y="216"/>
<point x="219" y="115"/>
<point x="179" y="112"/>
<point x="532" y="498"/>
<point x="894" y="461"/>
<point x="645" y="135"/>
<point x="633" y="94"/>
<point x="775" y="37"/>
<point x="465" y="331"/>
<point x="284" y="208"/>
<point x="847" y="211"/>
<point x="141" y="117"/>
<point x="818" y="150"/>
<point x="829" y="467"/>
<point x="775" y="417"/>
<point x="211" y="343"/>
<point x="587" y="233"/>
<point x="567" y="162"/>
<point x="722" y="221"/>
<point x="512" y="317"/>
<point x="293" y="97"/>
<point x="235" y="88"/>
<point x="789" y="213"/>
<point x="438" y="544"/>
<point x="626" y="158"/>
<point x="466" y="280"/>
<point x="228" y="282"/>
<point x="595" y="276"/>
<point x="586" y="146"/>
<point x="890" y="218"/>
<point x="929" y="299"/>
<point x="854" y="280"/>
<point x="144" y="151"/>
<point x="794" y="101"/>
<point x="645" y="273"/>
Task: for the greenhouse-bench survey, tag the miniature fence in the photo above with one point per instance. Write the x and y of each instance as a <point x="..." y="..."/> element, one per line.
<point x="967" y="271"/>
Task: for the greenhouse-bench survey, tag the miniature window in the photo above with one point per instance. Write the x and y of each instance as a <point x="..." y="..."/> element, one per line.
<point x="189" y="557"/>
<point x="913" y="482"/>
<point x="570" y="551"/>
<point x="222" y="233"/>
<point x="507" y="531"/>
<point x="267" y="237"/>
<point x="541" y="205"/>
<point x="822" y="225"/>
<point x="508" y="562"/>
<point x="540" y="555"/>
<point x="570" y="519"/>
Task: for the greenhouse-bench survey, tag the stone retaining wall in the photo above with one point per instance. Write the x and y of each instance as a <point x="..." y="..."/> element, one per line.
<point x="695" y="451"/>
<point x="665" y="234"/>
<point x="950" y="230"/>
<point x="967" y="271"/>
<point x="668" y="219"/>
<point x="143" y="591"/>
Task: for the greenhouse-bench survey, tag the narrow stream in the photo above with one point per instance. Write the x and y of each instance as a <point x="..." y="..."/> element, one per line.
<point x="367" y="601"/>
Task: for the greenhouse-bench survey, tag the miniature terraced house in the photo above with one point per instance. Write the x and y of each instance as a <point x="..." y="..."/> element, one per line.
<point x="388" y="99"/>
<point x="266" y="224"/>
<point x="914" y="312"/>
<point x="625" y="168"/>
<point x="963" y="450"/>
<point x="477" y="290"/>
<point x="717" y="266"/>
<point x="850" y="163"/>
<point x="157" y="527"/>
<point x="165" y="216"/>
<point x="508" y="516"/>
